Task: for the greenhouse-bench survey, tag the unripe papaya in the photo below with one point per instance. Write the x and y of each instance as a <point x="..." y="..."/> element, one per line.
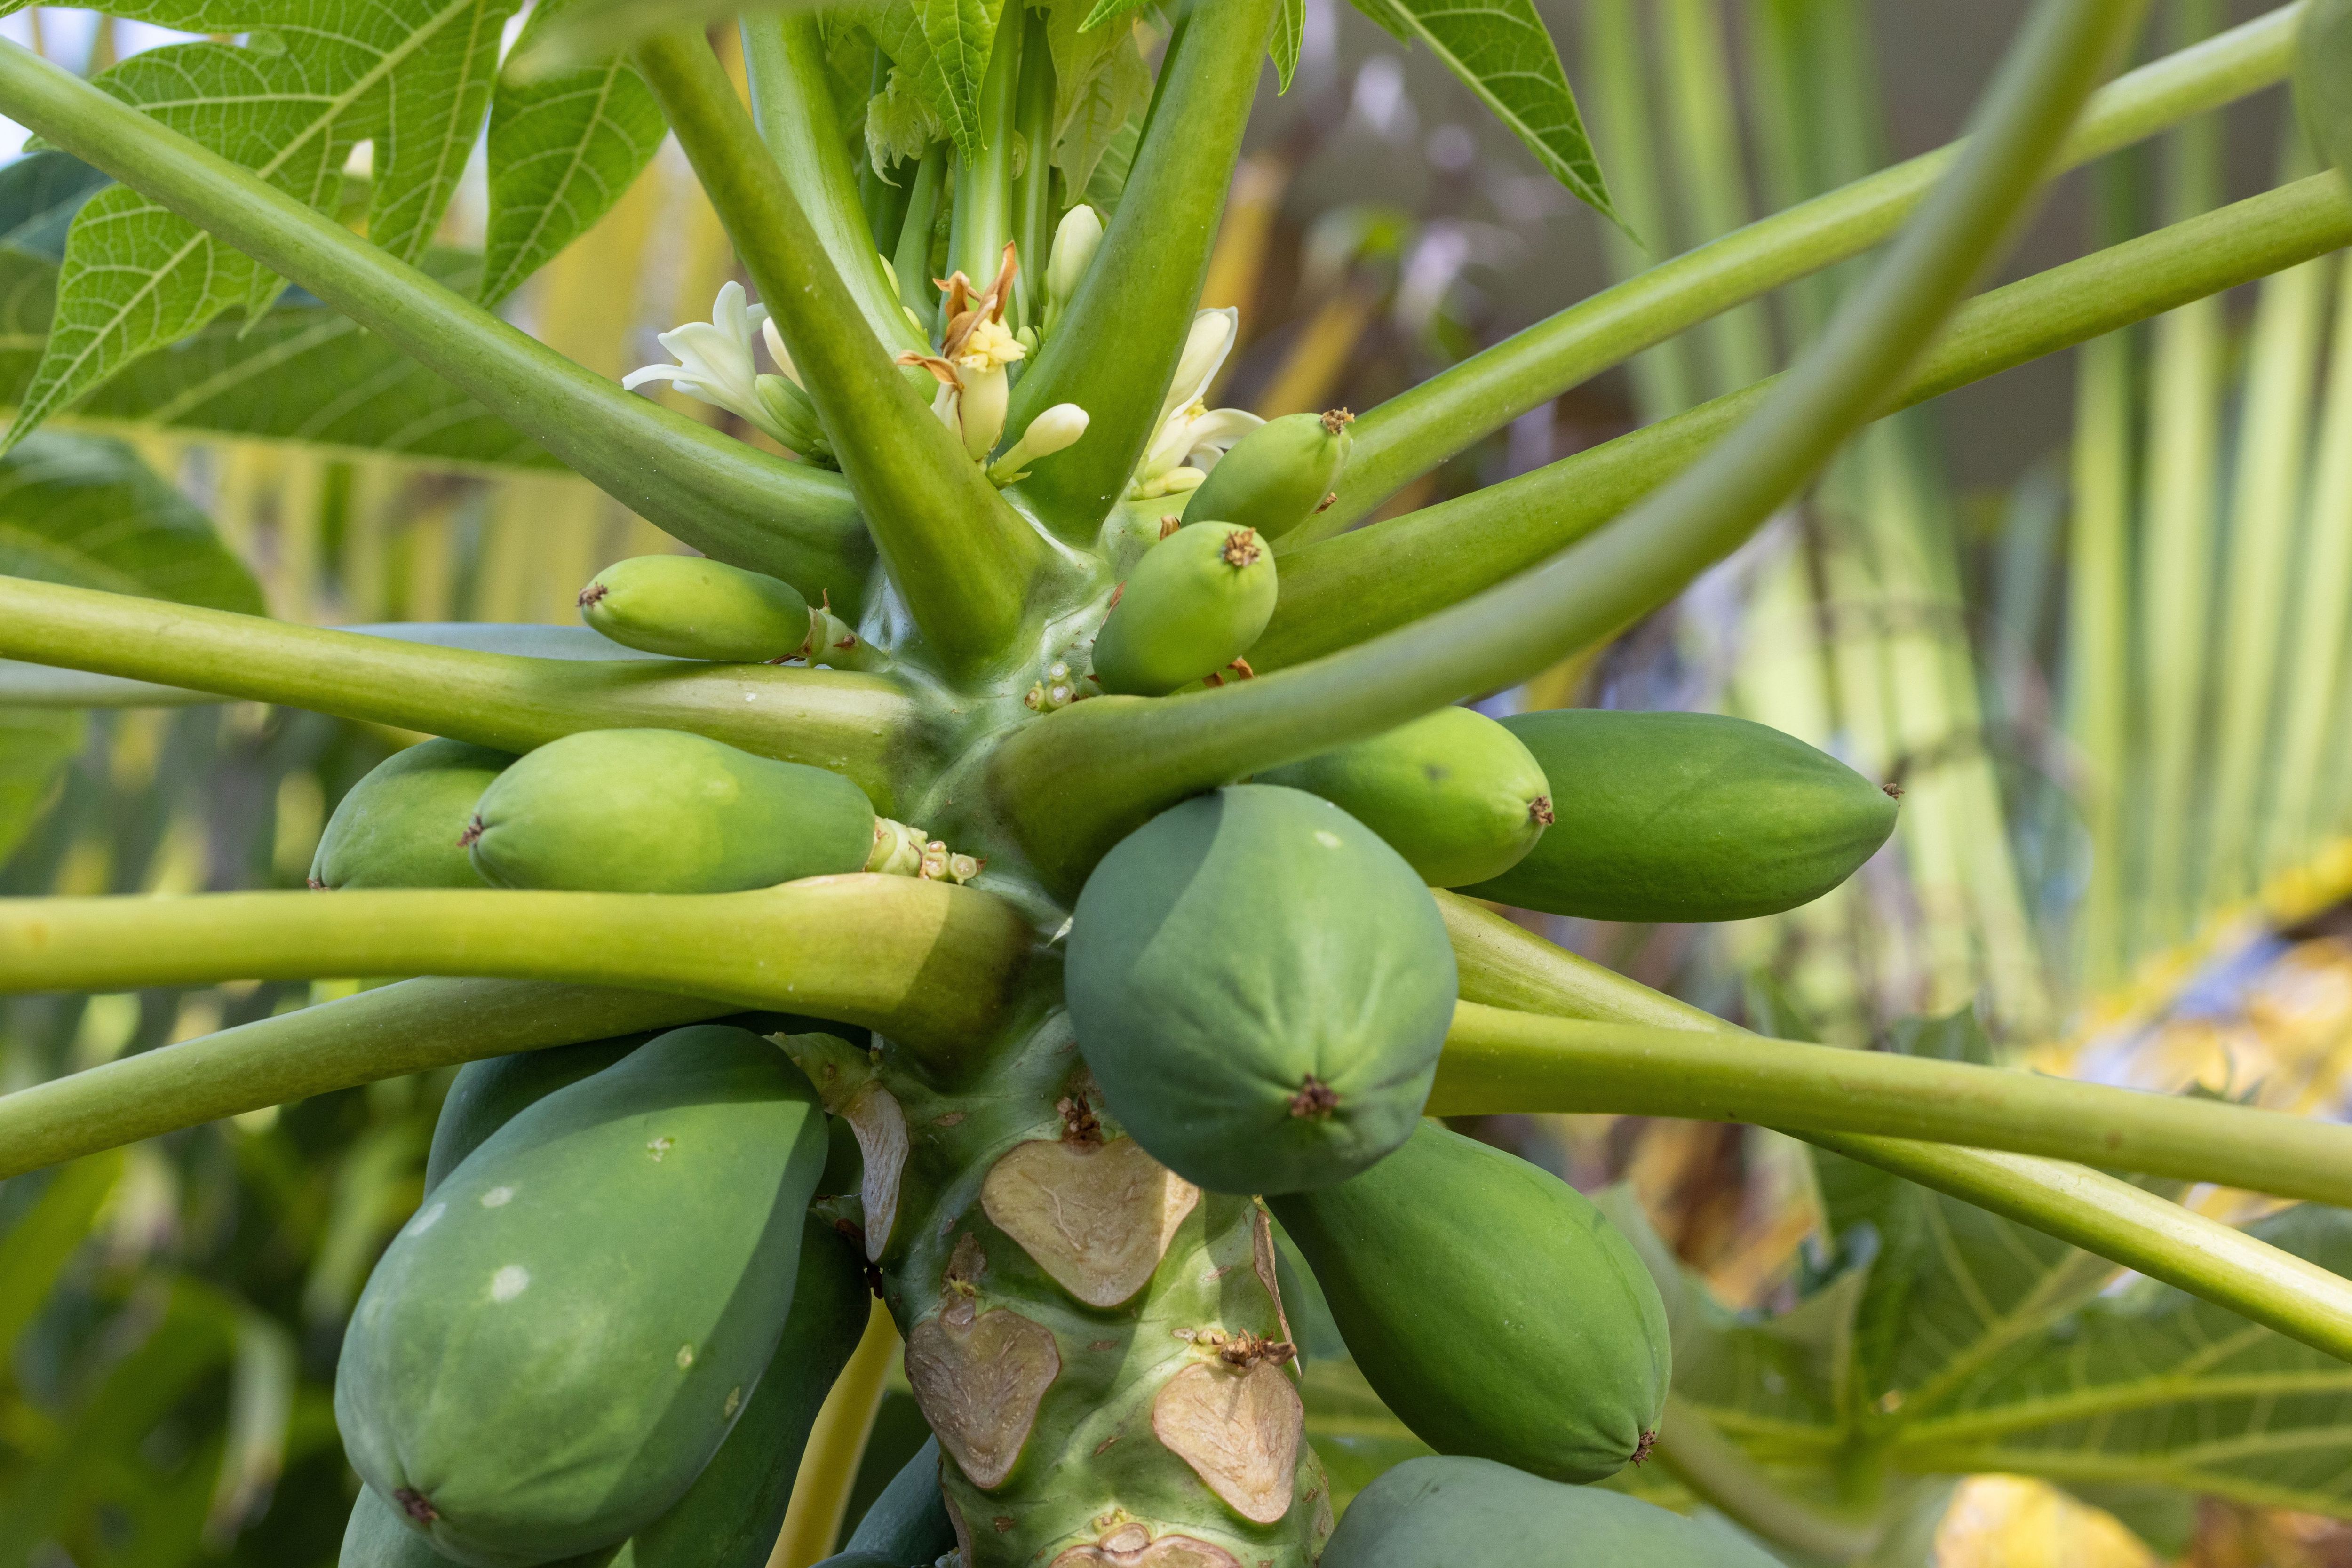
<point x="1277" y="476"/>
<point x="488" y="1094"/>
<point x="661" y="811"/>
<point x="548" y="1353"/>
<point x="692" y="608"/>
<point x="376" y="1537"/>
<point x="1260" y="986"/>
<point x="1453" y="792"/>
<point x="909" y="1522"/>
<point x="1686" y="816"/>
<point x="1559" y="1366"/>
<point x="1194" y="604"/>
<point x="403" y="824"/>
<point x="1444" y="1512"/>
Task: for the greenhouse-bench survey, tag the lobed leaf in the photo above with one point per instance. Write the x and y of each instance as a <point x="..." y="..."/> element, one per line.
<point x="1101" y="85"/>
<point x="563" y="147"/>
<point x="1289" y="32"/>
<point x="943" y="47"/>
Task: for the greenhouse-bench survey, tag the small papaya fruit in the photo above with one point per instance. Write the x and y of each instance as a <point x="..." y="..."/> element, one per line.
<point x="1564" y="1369"/>
<point x="689" y="607"/>
<point x="377" y="1537"/>
<point x="1277" y="476"/>
<point x="488" y="1094"/>
<point x="548" y="1353"/>
<point x="1439" y="1511"/>
<point x="909" y="1522"/>
<point x="661" y="811"/>
<point x="1453" y="792"/>
<point x="402" y="826"/>
<point x="1686" y="816"/>
<point x="1260" y="986"/>
<point x="1194" y="604"/>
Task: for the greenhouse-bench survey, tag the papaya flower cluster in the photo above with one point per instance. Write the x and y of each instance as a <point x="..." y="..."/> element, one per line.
<point x="1191" y="436"/>
<point x="974" y="368"/>
<point x="716" y="364"/>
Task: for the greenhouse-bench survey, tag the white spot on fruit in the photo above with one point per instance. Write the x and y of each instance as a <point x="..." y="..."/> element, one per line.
<point x="660" y="1147"/>
<point x="510" y="1282"/>
<point x="498" y="1198"/>
<point x="734" y="1401"/>
<point x="685" y="1357"/>
<point x="1326" y="838"/>
<point x="427" y="1220"/>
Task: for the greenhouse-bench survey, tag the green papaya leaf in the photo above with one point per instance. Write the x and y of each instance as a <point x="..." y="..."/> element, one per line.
<point x="943" y="47"/>
<point x="1102" y="94"/>
<point x="899" y="124"/>
<point x="1289" y="32"/>
<point x="84" y="509"/>
<point x="38" y="198"/>
<point x="413" y="76"/>
<point x="1108" y="182"/>
<point x="1501" y="50"/>
<point x="36" y="744"/>
<point x="35" y="1249"/>
<point x="563" y="147"/>
<point x="2323" y="79"/>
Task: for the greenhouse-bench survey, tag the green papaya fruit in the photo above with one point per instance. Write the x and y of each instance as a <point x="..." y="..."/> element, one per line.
<point x="1194" y="604"/>
<point x="1277" y="476"/>
<point x="1686" y="816"/>
<point x="1445" y="1512"/>
<point x="376" y="1537"/>
<point x="1563" y="1369"/>
<point x="689" y="607"/>
<point x="403" y="824"/>
<point x="550" y="1352"/>
<point x="661" y="811"/>
<point x="1260" y="986"/>
<point x="1453" y="792"/>
<point x="729" y="1517"/>
<point x="488" y="1094"/>
<point x="909" y="1522"/>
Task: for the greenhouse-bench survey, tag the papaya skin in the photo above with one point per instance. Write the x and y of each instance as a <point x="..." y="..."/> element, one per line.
<point x="689" y="607"/>
<point x="1562" y="1373"/>
<point x="1193" y="605"/>
<point x="1278" y="474"/>
<point x="488" y="1094"/>
<point x="695" y="1160"/>
<point x="1261" y="987"/>
<point x="1453" y="792"/>
<point x="661" y="811"/>
<point x="1443" y="1512"/>
<point x="400" y="826"/>
<point x="1686" y="816"/>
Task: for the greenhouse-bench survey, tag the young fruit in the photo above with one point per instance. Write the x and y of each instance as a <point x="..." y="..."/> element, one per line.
<point x="1193" y="605"/>
<point x="488" y="1094"/>
<point x="661" y="811"/>
<point x="1277" y="476"/>
<point x="1260" y="986"/>
<point x="377" y="1537"/>
<point x="403" y="826"/>
<point x="1686" y="816"/>
<point x="909" y="1522"/>
<point x="1439" y="1512"/>
<point x="552" y="1351"/>
<point x="1453" y="792"/>
<point x="689" y="607"/>
<point x="1563" y="1369"/>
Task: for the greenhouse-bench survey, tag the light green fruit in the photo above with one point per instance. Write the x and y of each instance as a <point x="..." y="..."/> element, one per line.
<point x="1453" y="792"/>
<point x="376" y="1538"/>
<point x="488" y="1094"/>
<point x="1686" y="816"/>
<point x="1441" y="1512"/>
<point x="1278" y="474"/>
<point x="1261" y="987"/>
<point x="1193" y="605"/>
<point x="403" y="824"/>
<point x="1563" y="1369"/>
<point x="692" y="608"/>
<point x="661" y="811"/>
<point x="548" y="1353"/>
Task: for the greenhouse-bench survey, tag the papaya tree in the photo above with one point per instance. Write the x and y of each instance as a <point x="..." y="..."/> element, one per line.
<point x="1006" y="870"/>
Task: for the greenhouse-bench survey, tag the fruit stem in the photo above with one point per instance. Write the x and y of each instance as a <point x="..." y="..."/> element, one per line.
<point x="850" y="723"/>
<point x="1446" y="415"/>
<point x="1715" y="1468"/>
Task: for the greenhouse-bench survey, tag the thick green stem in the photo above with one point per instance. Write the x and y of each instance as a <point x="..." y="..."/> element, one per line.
<point x="2129" y="1225"/>
<point x="959" y="555"/>
<point x="1115" y="348"/>
<point x="1033" y="190"/>
<point x="912" y="259"/>
<point x="1723" y="1476"/>
<point x="720" y="495"/>
<point x="1344" y="590"/>
<point x="983" y="191"/>
<point x="1415" y="432"/>
<point x="1077" y="781"/>
<point x="862" y="726"/>
<point x="406" y="1028"/>
<point x="1501" y="1062"/>
<point x="783" y="54"/>
<point x="926" y="962"/>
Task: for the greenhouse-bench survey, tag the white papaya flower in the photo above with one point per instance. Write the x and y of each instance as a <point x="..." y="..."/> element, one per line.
<point x="714" y="359"/>
<point x="1190" y="436"/>
<point x="970" y="364"/>
<point x="1052" y="430"/>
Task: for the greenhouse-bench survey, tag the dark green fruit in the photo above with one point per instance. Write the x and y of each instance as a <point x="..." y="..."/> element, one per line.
<point x="1261" y="987"/>
<point x="1277" y="476"/>
<point x="691" y="607"/>
<point x="376" y="1538"/>
<point x="1453" y="792"/>
<point x="1562" y="1370"/>
<point x="661" y="811"/>
<point x="909" y="1522"/>
<point x="488" y="1094"/>
<point x="403" y="824"/>
<point x="1193" y="605"/>
<point x="552" y="1351"/>
<point x="1440" y="1512"/>
<point x="730" y="1517"/>
<point x="1686" y="816"/>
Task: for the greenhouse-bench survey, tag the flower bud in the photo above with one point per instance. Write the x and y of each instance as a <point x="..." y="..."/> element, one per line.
<point x="1075" y="239"/>
<point x="1055" y="428"/>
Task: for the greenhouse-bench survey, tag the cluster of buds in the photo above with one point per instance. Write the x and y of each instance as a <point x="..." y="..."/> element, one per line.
<point x="1055" y="690"/>
<point x="716" y="364"/>
<point x="1191" y="436"/>
<point x="901" y="849"/>
<point x="974" y="368"/>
